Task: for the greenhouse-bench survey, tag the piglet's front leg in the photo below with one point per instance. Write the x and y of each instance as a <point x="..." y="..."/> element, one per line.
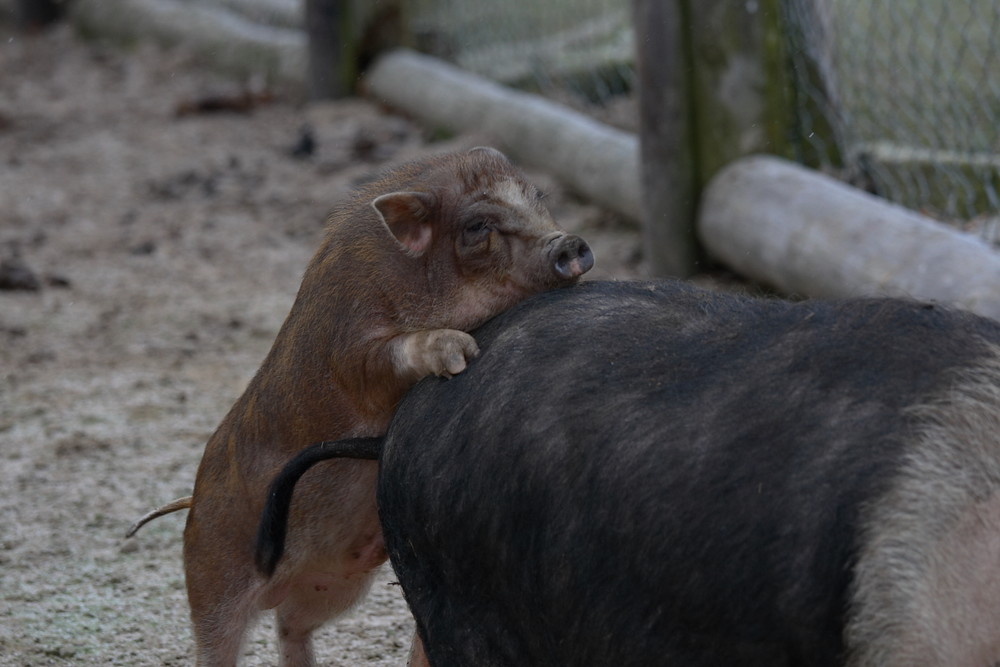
<point x="443" y="352"/>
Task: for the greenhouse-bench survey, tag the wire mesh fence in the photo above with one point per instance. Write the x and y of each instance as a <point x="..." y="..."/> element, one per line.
<point x="579" y="52"/>
<point x="903" y="98"/>
<point x="900" y="98"/>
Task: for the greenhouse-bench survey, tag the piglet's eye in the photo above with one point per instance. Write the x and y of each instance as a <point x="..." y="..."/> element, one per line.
<point x="477" y="226"/>
<point x="476" y="232"/>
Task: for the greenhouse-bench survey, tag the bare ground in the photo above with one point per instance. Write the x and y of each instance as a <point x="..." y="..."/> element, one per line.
<point x="165" y="251"/>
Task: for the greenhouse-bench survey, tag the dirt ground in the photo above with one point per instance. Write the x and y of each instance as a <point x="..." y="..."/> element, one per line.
<point x="164" y="251"/>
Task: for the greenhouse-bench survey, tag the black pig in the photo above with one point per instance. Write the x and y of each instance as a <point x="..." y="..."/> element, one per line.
<point x="652" y="474"/>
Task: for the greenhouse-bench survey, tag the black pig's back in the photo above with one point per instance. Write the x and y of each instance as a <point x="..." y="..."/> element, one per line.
<point x="638" y="472"/>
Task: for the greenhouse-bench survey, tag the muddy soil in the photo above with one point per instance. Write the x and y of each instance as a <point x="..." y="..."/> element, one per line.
<point x="150" y="247"/>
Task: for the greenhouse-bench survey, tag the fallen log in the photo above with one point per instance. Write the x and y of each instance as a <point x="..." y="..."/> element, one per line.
<point x="805" y="233"/>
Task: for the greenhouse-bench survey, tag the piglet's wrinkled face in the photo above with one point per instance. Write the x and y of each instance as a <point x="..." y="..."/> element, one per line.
<point x="506" y="230"/>
<point x="482" y="238"/>
<point x="507" y="247"/>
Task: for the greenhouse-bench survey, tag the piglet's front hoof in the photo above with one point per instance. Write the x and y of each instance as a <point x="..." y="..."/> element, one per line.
<point x="443" y="352"/>
<point x="449" y="352"/>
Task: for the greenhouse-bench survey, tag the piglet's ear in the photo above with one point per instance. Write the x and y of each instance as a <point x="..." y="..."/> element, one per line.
<point x="489" y="150"/>
<point x="407" y="215"/>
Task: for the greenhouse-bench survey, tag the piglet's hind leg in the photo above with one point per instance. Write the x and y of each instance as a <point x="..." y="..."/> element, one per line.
<point x="310" y="603"/>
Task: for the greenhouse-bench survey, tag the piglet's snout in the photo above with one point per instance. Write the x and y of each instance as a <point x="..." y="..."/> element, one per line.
<point x="570" y="255"/>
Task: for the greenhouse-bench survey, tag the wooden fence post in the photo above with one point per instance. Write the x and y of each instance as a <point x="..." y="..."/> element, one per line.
<point x="742" y="84"/>
<point x="327" y="51"/>
<point x="667" y="151"/>
<point x="713" y="86"/>
<point x="344" y="36"/>
<point x="35" y="14"/>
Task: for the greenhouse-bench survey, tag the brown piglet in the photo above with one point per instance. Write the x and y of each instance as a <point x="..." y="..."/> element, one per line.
<point x="409" y="264"/>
